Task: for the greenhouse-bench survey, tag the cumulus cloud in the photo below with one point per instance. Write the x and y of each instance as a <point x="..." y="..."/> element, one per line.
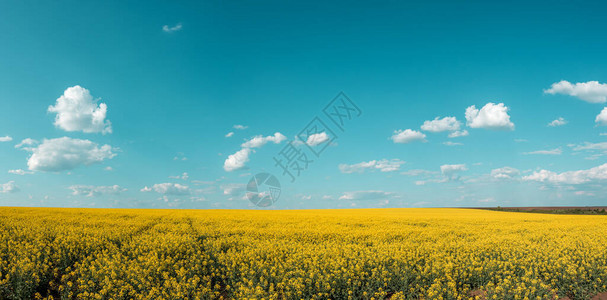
<point x="384" y="165"/>
<point x="19" y="172"/>
<point x="407" y="136"/>
<point x="5" y="138"/>
<point x="317" y="139"/>
<point x="260" y="140"/>
<point x="366" y="195"/>
<point x="168" y="188"/>
<point x="571" y="177"/>
<point x="556" y="151"/>
<point x="66" y="153"/>
<point x="601" y="118"/>
<point x="451" y="172"/>
<point x="240" y="127"/>
<point x="490" y="116"/>
<point x="591" y="91"/>
<point x="440" y="125"/>
<point x="169" y="29"/>
<point x="77" y="111"/>
<point x="458" y="133"/>
<point x="237" y="160"/>
<point x="505" y="173"/>
<point x="450" y="143"/>
<point x="229" y="134"/>
<point x="93" y="191"/>
<point x="558" y="122"/>
<point x="9" y="187"/>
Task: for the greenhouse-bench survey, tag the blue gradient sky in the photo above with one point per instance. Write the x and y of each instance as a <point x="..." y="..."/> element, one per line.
<point x="173" y="95"/>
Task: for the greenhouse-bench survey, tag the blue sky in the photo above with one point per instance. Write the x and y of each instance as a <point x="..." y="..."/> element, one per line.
<point x="131" y="104"/>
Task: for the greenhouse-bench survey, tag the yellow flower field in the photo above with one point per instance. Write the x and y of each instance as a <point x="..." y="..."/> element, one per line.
<point x="307" y="254"/>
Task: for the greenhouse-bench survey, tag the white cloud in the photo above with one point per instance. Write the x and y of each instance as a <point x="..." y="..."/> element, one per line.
<point x="259" y="140"/>
<point x="9" y="187"/>
<point x="383" y="165"/>
<point x="458" y="133"/>
<point x="237" y="160"/>
<point x="571" y="177"/>
<point x="108" y="168"/>
<point x="486" y="200"/>
<point x="229" y="134"/>
<point x="452" y="171"/>
<point x="183" y="176"/>
<point x="407" y="136"/>
<point x="90" y="190"/>
<point x="589" y="146"/>
<point x="26" y="142"/>
<point x="365" y="195"/>
<point x="168" y="29"/>
<point x="66" y="153"/>
<point x="558" y="122"/>
<point x="594" y="156"/>
<point x="449" y="173"/>
<point x="180" y="156"/>
<point x="591" y="91"/>
<point x="601" y="118"/>
<point x="317" y="139"/>
<point x="592" y="148"/>
<point x="450" y="143"/>
<point x="556" y="151"/>
<point x="505" y="173"/>
<point x="491" y="116"/>
<point x="77" y="111"/>
<point x="168" y="189"/>
<point x="584" y="193"/>
<point x="240" y="127"/>
<point x="440" y="125"/>
<point x="198" y="199"/>
<point x="19" y="172"/>
<point x="417" y="172"/>
<point x="5" y="138"/>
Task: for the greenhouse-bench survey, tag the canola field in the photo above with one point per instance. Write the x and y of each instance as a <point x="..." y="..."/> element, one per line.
<point x="49" y="253"/>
